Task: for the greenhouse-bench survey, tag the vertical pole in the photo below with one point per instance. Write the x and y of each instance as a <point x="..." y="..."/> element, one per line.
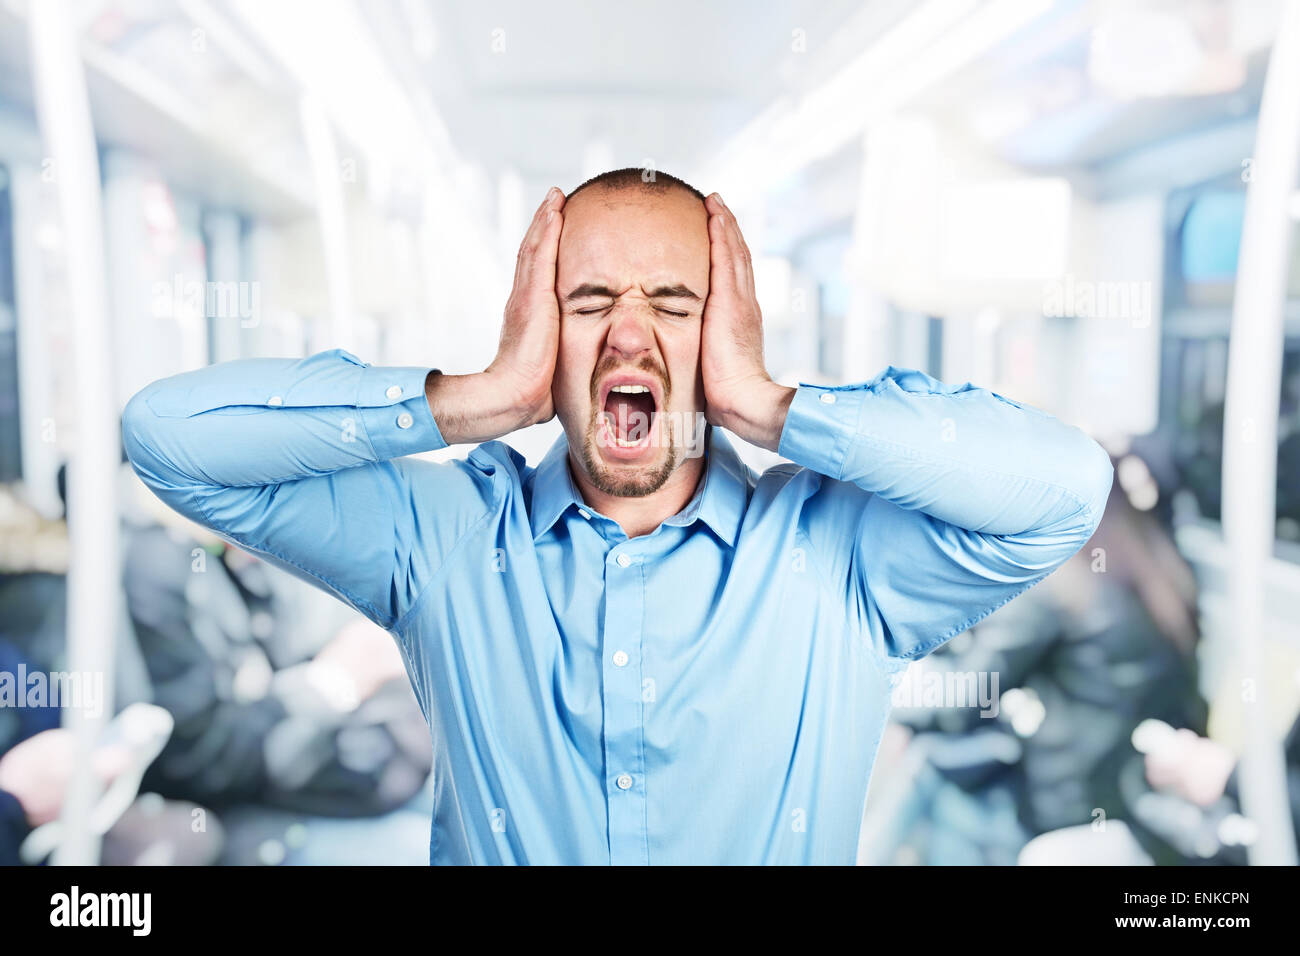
<point x="94" y="582"/>
<point x="331" y="211"/>
<point x="1250" y="429"/>
<point x="865" y="334"/>
<point x="222" y="232"/>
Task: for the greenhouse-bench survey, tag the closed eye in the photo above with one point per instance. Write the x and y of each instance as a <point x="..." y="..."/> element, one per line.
<point x="601" y="308"/>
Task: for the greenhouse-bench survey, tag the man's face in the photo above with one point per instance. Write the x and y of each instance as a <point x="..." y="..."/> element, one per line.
<point x="631" y="278"/>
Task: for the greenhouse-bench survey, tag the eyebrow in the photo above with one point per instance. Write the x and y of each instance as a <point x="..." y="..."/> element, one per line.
<point x="593" y="289"/>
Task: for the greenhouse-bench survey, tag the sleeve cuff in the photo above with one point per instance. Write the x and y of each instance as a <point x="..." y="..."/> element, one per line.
<point x="820" y="426"/>
<point x="395" y="412"/>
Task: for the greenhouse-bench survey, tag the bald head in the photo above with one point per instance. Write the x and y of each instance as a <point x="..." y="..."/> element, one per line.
<point x="646" y="180"/>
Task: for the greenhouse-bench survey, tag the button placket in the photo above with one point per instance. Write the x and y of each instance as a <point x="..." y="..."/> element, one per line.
<point x="623" y="708"/>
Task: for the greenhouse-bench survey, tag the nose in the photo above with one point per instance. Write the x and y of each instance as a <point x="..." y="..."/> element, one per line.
<point x="631" y="333"/>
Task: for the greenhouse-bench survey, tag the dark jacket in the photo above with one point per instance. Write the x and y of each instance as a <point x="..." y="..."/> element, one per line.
<point x="215" y="628"/>
<point x="1104" y="643"/>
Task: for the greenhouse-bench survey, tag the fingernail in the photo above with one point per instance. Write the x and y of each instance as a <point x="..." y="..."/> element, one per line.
<point x="552" y="194"/>
<point x="550" y="214"/>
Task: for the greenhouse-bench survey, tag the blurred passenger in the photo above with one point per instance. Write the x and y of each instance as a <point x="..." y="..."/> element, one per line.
<point x="1204" y="773"/>
<point x="34" y="778"/>
<point x="26" y="799"/>
<point x="1105" y="642"/>
<point x="334" y="732"/>
<point x="37" y="756"/>
<point x="274" y="707"/>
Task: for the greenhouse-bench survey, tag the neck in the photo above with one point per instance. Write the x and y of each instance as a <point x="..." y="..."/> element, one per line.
<point x="641" y="515"/>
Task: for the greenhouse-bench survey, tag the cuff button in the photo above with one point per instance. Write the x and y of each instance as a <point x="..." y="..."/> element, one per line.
<point x="394" y="391"/>
<point x="828" y="398"/>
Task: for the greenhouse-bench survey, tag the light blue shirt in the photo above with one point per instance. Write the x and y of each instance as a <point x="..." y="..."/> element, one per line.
<point x="711" y="692"/>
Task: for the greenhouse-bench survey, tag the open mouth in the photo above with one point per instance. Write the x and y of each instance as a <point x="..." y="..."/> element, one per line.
<point x="628" y="415"/>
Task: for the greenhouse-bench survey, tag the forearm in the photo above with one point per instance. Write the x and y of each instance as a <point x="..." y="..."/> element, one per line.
<point x="265" y="421"/>
<point x="957" y="453"/>
<point x="305" y="463"/>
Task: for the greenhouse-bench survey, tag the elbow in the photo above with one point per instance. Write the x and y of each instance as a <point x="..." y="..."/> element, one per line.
<point x="1091" y="483"/>
<point x="1098" y="477"/>
<point x="138" y="438"/>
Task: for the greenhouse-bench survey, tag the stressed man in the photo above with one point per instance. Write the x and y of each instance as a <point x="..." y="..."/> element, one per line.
<point x="638" y="651"/>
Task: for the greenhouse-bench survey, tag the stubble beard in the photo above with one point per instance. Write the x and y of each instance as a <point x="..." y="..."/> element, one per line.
<point x="628" y="481"/>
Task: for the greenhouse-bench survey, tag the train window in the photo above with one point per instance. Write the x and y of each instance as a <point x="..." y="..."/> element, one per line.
<point x="1205" y="233"/>
<point x="1196" y="371"/>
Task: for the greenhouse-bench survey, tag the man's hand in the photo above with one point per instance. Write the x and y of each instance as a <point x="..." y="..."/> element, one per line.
<point x="515" y="390"/>
<point x="739" y="395"/>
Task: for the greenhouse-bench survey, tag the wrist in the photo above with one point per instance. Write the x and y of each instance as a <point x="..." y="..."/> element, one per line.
<point x="757" y="415"/>
<point x="476" y="408"/>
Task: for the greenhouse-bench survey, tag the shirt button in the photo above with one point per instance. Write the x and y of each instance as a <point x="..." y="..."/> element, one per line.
<point x="620" y="658"/>
<point x="828" y="398"/>
<point x="394" y="391"/>
<point x="405" y="420"/>
<point x="624" y="781"/>
<point x="585" y="513"/>
<point x="623" y="560"/>
<point x="275" y="400"/>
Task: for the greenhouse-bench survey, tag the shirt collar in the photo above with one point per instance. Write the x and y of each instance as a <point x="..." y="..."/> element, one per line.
<point x="719" y="501"/>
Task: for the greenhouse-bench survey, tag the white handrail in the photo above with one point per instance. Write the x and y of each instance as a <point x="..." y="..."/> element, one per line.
<point x="94" y="576"/>
<point x="1250" y="431"/>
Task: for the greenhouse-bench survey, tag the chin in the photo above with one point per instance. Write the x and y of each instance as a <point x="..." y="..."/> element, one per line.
<point x="627" y="471"/>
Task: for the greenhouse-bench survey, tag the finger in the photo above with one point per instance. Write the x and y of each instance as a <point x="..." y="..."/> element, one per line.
<point x="722" y="259"/>
<point x="529" y="232"/>
<point x="732" y="222"/>
<point x="536" y="228"/>
<point x="745" y="259"/>
<point x="536" y="268"/>
<point x="733" y="262"/>
<point x="722" y="247"/>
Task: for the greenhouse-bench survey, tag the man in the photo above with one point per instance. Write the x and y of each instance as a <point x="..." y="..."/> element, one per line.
<point x="634" y="653"/>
